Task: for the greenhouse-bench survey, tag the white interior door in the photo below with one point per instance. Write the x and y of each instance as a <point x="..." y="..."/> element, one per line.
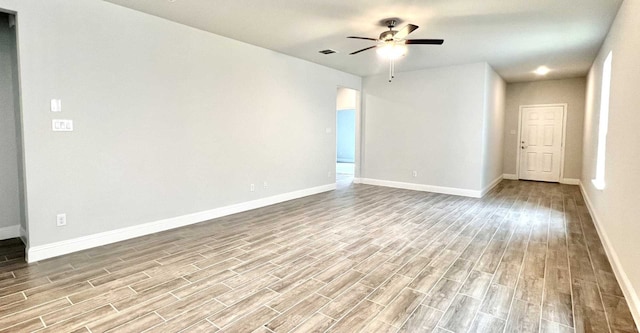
<point x="541" y="143"/>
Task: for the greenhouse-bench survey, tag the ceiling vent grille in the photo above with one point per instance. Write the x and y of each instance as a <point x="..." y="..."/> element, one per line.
<point x="327" y="51"/>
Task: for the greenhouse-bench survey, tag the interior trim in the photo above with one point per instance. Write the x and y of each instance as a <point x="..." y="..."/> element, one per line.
<point x="627" y="288"/>
<point x="570" y="181"/>
<point x="490" y="187"/>
<point x="423" y="187"/>
<point x="41" y="252"/>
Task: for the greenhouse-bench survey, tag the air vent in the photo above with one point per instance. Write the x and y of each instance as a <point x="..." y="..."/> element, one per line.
<point x="327" y="51"/>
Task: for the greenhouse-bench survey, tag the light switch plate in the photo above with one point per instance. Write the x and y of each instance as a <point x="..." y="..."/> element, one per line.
<point x="56" y="105"/>
<point x="62" y="125"/>
<point x="512" y="132"/>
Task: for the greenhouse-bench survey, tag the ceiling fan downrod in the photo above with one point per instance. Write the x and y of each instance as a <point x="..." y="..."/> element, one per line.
<point x="391" y="70"/>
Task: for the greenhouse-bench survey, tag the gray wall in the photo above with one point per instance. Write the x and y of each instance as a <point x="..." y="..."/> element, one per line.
<point x="164" y="126"/>
<point x="10" y="176"/>
<point x="616" y="208"/>
<point x="430" y="121"/>
<point x="570" y="91"/>
<point x="346" y="136"/>
<point x="493" y="129"/>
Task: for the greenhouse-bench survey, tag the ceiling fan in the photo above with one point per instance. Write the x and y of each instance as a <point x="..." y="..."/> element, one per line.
<point x="391" y="43"/>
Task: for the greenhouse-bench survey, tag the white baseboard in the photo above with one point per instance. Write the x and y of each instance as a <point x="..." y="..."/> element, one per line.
<point x="357" y="180"/>
<point x="41" y="252"/>
<point x="422" y="187"/>
<point x="625" y="284"/>
<point x="12" y="231"/>
<point x="490" y="187"/>
<point x="570" y="181"/>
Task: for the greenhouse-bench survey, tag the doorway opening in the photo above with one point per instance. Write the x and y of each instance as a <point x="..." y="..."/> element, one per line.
<point x="12" y="200"/>
<point x="346" y="127"/>
<point x="541" y="142"/>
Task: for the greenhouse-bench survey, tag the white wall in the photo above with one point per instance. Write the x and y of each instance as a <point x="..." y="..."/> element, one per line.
<point x="10" y="202"/>
<point x="169" y="120"/>
<point x="430" y="121"/>
<point x="616" y="209"/>
<point x="346" y="99"/>
<point x="493" y="129"/>
<point x="569" y="91"/>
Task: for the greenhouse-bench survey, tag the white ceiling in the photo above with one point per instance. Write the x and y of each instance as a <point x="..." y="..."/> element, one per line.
<point x="513" y="36"/>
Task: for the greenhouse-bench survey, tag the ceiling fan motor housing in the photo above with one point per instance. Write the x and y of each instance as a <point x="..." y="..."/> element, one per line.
<point x="387" y="35"/>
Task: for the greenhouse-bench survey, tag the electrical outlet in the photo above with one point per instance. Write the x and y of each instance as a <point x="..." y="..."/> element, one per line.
<point x="415" y="173"/>
<point x="61" y="220"/>
<point x="266" y="185"/>
<point x="252" y="188"/>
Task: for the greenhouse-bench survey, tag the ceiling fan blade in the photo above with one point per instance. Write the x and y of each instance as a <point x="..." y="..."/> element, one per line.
<point x="424" y="41"/>
<point x="366" y="38"/>
<point x="368" y="48"/>
<point x="402" y="33"/>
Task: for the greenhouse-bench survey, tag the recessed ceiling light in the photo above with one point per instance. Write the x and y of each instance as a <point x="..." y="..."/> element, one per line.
<point x="542" y="70"/>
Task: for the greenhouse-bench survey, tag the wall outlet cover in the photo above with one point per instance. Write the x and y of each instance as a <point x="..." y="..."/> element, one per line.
<point x="61" y="220"/>
<point x="56" y="105"/>
<point x="62" y="125"/>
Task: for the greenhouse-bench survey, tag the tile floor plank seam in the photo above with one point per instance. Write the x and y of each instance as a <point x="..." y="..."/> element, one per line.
<point x="359" y="244"/>
<point x="364" y="298"/>
<point x="474" y="265"/>
<point x="594" y="270"/>
<point x="426" y="293"/>
<point x="566" y="242"/>
<point x="484" y="249"/>
<point x="521" y="277"/>
<point x="574" y="283"/>
<point x="516" y="212"/>
<point x="546" y="270"/>
<point x="493" y="276"/>
<point x="521" y="269"/>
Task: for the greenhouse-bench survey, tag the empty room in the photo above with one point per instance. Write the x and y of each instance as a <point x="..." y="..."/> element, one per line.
<point x="319" y="166"/>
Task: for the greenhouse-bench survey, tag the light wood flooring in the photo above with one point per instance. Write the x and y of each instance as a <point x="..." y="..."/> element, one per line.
<point x="526" y="258"/>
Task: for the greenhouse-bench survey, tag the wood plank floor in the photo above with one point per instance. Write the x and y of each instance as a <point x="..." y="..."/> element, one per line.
<point x="526" y="258"/>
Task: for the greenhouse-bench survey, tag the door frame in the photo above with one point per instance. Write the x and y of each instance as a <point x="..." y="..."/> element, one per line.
<point x="358" y="134"/>
<point x="24" y="232"/>
<point x="562" y="140"/>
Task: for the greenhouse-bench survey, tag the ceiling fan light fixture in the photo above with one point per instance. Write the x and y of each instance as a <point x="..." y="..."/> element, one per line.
<point x="392" y="51"/>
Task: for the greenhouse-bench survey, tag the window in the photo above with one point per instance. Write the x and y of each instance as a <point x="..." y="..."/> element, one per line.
<point x="603" y="124"/>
